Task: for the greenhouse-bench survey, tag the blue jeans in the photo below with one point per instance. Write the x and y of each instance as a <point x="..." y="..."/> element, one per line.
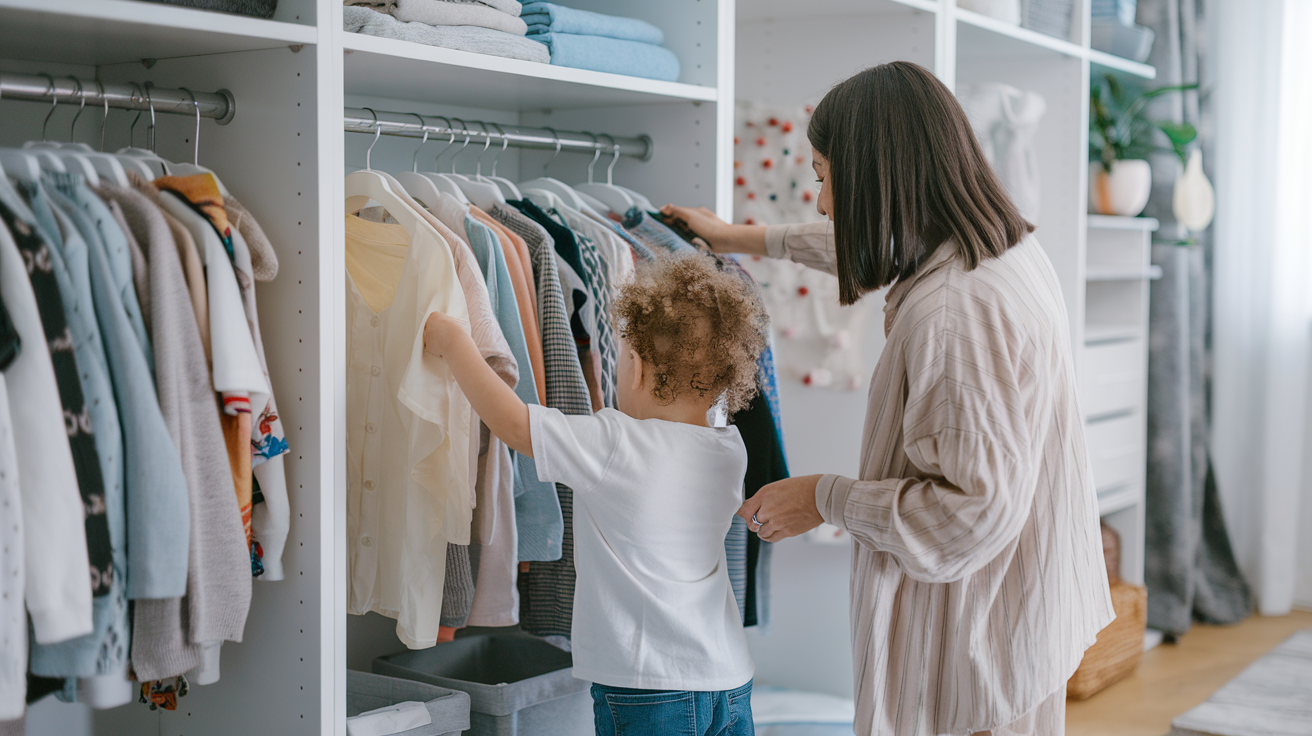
<point x="622" y="711"/>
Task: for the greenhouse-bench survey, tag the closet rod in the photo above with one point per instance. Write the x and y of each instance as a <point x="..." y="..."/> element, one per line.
<point x="440" y="128"/>
<point x="219" y="105"/>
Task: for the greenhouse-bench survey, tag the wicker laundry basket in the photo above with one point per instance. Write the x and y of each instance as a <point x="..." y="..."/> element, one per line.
<point x="1120" y="646"/>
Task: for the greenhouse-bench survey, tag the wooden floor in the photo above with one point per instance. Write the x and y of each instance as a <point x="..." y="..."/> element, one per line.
<point x="1176" y="677"/>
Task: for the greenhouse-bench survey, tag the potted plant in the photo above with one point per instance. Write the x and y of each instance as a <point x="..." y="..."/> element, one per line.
<point x="1120" y="139"/>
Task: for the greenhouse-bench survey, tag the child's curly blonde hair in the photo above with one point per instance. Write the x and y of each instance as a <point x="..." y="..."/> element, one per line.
<point x="701" y="327"/>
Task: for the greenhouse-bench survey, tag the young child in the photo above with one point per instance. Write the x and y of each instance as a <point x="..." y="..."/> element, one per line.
<point x="656" y="626"/>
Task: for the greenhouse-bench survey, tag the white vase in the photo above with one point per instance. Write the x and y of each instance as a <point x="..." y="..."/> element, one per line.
<point x="1007" y="11"/>
<point x="1122" y="191"/>
<point x="1194" y="201"/>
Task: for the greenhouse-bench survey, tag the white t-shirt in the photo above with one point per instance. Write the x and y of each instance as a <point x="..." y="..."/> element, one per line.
<point x="653" y="607"/>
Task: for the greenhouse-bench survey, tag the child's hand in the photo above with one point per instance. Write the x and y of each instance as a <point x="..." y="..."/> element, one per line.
<point x="439" y="332"/>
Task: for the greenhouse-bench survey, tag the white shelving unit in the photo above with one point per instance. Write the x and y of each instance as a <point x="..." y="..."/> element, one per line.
<point x="283" y="155"/>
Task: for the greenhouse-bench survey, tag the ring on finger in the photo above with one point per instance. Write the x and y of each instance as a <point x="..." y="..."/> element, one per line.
<point x="757" y="522"/>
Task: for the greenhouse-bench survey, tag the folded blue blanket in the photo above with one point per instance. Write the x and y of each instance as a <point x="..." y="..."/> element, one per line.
<point x="611" y="55"/>
<point x="552" y="18"/>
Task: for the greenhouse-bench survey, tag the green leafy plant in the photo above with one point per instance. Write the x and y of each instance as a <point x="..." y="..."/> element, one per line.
<point x="1120" y="129"/>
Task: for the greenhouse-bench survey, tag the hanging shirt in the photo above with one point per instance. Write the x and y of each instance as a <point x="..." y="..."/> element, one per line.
<point x="653" y="606"/>
<point x="104" y="652"/>
<point x="54" y="580"/>
<point x="268" y="441"/>
<point x="156" y="491"/>
<point x="407" y="431"/>
<point x="77" y="417"/>
<point x="13" y="619"/>
<point x="547" y="589"/>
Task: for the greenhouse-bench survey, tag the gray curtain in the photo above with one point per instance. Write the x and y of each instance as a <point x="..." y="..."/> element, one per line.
<point x="1190" y="568"/>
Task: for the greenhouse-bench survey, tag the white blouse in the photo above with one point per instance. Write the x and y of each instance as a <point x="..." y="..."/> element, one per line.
<point x="56" y="583"/>
<point x="407" y="427"/>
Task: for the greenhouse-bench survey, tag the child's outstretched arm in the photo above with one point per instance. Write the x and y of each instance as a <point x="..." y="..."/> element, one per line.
<point x="495" y="403"/>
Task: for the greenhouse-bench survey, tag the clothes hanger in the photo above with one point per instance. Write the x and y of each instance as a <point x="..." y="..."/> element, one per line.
<point x="508" y="188"/>
<point x="41" y="150"/>
<point x="614" y="199"/>
<point x="190" y="169"/>
<point x="74" y="158"/>
<point x="20" y="164"/>
<point x="443" y="182"/>
<point x="492" y="188"/>
<point x="559" y="188"/>
<point x="130" y="162"/>
<point x="154" y="164"/>
<point x="367" y="184"/>
<point x="481" y="193"/>
<point x="418" y="186"/>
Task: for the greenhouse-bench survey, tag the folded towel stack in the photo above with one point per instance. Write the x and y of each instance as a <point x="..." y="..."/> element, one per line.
<point x="603" y="43"/>
<point x="481" y="26"/>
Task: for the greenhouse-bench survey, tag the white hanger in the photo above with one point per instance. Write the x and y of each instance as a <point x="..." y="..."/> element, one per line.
<point x="367" y="184"/>
<point x="484" y="194"/>
<point x="543" y="198"/>
<point x="152" y="165"/>
<point x="106" y="165"/>
<point x="558" y="188"/>
<point x="613" y="198"/>
<point x="21" y="163"/>
<point x="639" y="200"/>
<point x="443" y="182"/>
<point x="508" y="187"/>
<point x="190" y="169"/>
<point x="593" y="203"/>
<point x="51" y="155"/>
<point x="415" y="184"/>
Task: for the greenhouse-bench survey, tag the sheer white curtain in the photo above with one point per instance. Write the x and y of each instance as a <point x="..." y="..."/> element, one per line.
<point x="1261" y="75"/>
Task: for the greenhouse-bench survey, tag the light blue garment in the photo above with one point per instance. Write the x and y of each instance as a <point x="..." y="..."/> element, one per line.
<point x="158" y="510"/>
<point x="601" y="54"/>
<point x="735" y="551"/>
<point x="107" y="231"/>
<point x="537" y="507"/>
<point x="552" y="18"/>
<point x="105" y="650"/>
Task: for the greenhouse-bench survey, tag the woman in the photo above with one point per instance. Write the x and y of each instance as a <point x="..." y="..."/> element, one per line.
<point x="977" y="572"/>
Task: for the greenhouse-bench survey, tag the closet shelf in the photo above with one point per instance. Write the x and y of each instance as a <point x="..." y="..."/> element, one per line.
<point x="980" y="34"/>
<point x="788" y="9"/>
<point x="1111" y="222"/>
<point x="116" y="31"/>
<point x="1115" y="273"/>
<point x="382" y="67"/>
<point x="1094" y="334"/>
<point x="1104" y="59"/>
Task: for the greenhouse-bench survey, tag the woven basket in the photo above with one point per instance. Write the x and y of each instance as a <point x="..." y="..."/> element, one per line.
<point x="1119" y="647"/>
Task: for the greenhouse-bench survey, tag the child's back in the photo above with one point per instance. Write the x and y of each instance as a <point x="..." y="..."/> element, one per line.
<point x="653" y="500"/>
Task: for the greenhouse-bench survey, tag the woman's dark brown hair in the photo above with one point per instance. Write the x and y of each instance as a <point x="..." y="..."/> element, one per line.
<point x="906" y="174"/>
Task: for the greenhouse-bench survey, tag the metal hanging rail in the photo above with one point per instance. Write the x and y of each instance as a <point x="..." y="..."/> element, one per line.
<point x="414" y="125"/>
<point x="219" y="105"/>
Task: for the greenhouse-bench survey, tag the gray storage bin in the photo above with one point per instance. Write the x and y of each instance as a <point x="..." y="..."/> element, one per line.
<point x="518" y="685"/>
<point x="449" y="709"/>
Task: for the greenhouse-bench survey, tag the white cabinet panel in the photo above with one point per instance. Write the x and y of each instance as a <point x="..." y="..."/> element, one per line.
<point x="1114" y="378"/>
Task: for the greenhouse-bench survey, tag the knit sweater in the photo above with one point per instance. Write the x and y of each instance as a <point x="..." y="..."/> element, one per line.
<point x="218" y="569"/>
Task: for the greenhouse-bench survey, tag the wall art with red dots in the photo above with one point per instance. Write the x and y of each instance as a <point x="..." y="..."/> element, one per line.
<point x="817" y="342"/>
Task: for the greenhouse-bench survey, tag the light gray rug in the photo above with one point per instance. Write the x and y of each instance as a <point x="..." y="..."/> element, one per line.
<point x="1273" y="697"/>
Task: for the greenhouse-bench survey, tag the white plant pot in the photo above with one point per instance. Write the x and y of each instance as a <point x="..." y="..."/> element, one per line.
<point x="1123" y="191"/>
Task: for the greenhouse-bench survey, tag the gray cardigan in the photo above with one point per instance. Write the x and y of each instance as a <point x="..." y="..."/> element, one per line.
<point x="166" y="634"/>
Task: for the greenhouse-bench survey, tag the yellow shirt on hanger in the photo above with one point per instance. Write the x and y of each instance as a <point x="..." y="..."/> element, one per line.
<point x="407" y="427"/>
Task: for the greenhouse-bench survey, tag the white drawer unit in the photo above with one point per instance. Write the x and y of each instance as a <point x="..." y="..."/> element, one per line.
<point x="1113" y="374"/>
<point x="1116" y="450"/>
<point x="1114" y="379"/>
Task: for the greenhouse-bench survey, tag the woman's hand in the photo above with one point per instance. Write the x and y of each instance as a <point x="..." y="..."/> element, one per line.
<point x="783" y="509"/>
<point x="720" y="235"/>
<point x="440" y="330"/>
